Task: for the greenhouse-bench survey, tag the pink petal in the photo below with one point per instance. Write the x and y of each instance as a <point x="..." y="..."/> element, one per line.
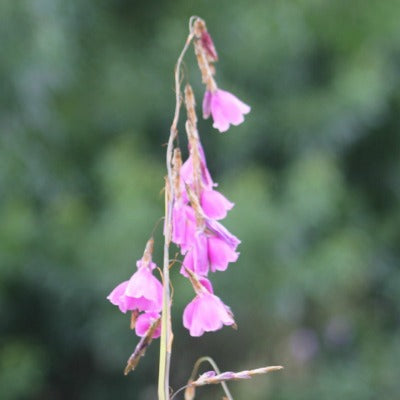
<point x="220" y="254"/>
<point x="183" y="226"/>
<point x="223" y="233"/>
<point x="117" y="298"/>
<point x="146" y="289"/>
<point x="144" y="322"/>
<point x="196" y="258"/>
<point x="206" y="313"/>
<point x="227" y="109"/>
<point x="214" y="204"/>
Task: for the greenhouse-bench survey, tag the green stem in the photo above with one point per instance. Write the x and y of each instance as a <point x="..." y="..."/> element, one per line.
<point x="166" y="331"/>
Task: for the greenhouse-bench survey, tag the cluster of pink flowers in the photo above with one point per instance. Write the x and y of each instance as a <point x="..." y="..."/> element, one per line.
<point x="141" y="294"/>
<point x="205" y="244"/>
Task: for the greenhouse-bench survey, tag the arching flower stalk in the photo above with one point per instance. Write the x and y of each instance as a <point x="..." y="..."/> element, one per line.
<point x="193" y="213"/>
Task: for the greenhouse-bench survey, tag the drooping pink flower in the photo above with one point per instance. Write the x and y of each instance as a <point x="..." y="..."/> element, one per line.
<point x="206" y="313"/>
<point x="141" y="292"/>
<point x="225" y="109"/>
<point x="212" y="249"/>
<point x="144" y="322"/>
<point x="146" y="289"/>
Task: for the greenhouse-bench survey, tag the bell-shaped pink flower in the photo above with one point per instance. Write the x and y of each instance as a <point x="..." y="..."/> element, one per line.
<point x="144" y="322"/>
<point x="142" y="292"/>
<point x="145" y="289"/>
<point x="212" y="249"/>
<point x="225" y="109"/>
<point x="206" y="313"/>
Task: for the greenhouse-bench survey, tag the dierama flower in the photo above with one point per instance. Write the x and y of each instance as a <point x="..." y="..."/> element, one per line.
<point x="209" y="252"/>
<point x="206" y="313"/>
<point x="225" y="109"/>
<point x="142" y="292"/>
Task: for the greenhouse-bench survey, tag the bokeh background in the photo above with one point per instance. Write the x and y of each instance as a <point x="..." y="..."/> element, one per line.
<point x="86" y="102"/>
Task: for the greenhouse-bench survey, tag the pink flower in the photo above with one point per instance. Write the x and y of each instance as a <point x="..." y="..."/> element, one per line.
<point x="209" y="253"/>
<point x="206" y="313"/>
<point x="144" y="322"/>
<point x="142" y="292"/>
<point x="225" y="109"/>
<point x="212" y="249"/>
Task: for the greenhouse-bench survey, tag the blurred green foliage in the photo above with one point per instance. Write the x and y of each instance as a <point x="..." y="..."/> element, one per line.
<point x="85" y="107"/>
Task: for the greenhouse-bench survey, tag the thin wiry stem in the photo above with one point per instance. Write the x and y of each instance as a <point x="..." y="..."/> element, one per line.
<point x="166" y="331"/>
<point x="215" y="368"/>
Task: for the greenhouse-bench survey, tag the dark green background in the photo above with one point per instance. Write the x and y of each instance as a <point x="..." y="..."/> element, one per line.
<point x="86" y="102"/>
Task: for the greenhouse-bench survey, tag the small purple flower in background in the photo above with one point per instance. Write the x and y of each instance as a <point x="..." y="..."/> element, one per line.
<point x="225" y="108"/>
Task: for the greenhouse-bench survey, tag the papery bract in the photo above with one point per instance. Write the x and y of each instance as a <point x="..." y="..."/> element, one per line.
<point x="225" y="109"/>
<point x="206" y="313"/>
